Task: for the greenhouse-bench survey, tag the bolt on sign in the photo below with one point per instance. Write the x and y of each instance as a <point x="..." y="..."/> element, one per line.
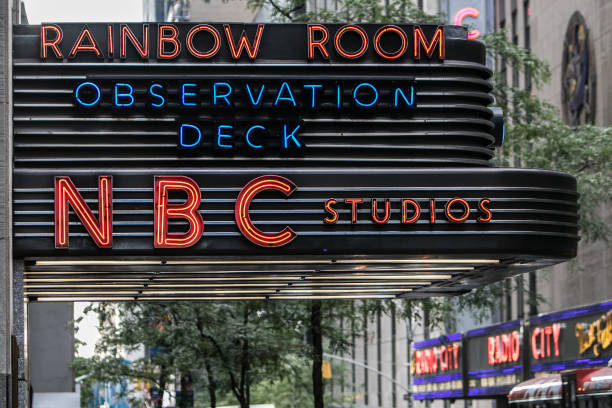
<point x="494" y="359"/>
<point x="576" y="338"/>
<point x="230" y="161"/>
<point x="437" y="367"/>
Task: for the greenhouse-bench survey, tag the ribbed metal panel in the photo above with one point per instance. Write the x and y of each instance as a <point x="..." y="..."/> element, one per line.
<point x="449" y="127"/>
<point x="537" y="208"/>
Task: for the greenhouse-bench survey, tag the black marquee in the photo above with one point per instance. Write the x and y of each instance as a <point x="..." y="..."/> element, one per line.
<point x="273" y="161"/>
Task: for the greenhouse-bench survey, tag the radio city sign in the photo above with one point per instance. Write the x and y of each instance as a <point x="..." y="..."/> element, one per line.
<point x="437" y="359"/>
<point x="579" y="337"/>
<point x="100" y="228"/>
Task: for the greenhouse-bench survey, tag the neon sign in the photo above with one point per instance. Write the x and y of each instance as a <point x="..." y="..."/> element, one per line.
<point x="288" y="98"/>
<point x="456" y="210"/>
<point x="188" y="210"/>
<point x="597" y="335"/>
<point x="541" y="345"/>
<point x="437" y="359"/>
<point x="467" y="12"/>
<point x="168" y="42"/>
<point x="504" y="348"/>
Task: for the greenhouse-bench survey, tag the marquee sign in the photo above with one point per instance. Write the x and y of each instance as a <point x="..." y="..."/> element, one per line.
<point x="494" y="359"/>
<point x="575" y="338"/>
<point x="269" y="144"/>
<point x="437" y="366"/>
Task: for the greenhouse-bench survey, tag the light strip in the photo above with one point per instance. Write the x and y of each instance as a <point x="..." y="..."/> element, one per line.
<point x="391" y="277"/>
<point x="265" y="261"/>
<point x="95" y="262"/>
<point x="81" y="286"/>
<point x="144" y="286"/>
<point x="212" y="285"/>
<point x="293" y="297"/>
<point x="246" y="278"/>
<point x="210" y="292"/>
<point x="396" y="269"/>
<point x="204" y="298"/>
<point x="386" y="283"/>
<point x="86" y="273"/>
<point x="343" y="290"/>
<point x="421" y="261"/>
<point x="253" y="262"/>
<point x="135" y="293"/>
<point x="26" y="280"/>
<point x="83" y="299"/>
<point x="245" y="271"/>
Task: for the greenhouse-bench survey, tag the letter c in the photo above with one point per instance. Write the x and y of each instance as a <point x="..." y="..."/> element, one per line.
<point x="535" y="352"/>
<point x="467" y="12"/>
<point x="241" y="211"/>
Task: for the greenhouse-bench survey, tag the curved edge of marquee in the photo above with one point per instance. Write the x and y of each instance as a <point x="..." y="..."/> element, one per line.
<point x="533" y="213"/>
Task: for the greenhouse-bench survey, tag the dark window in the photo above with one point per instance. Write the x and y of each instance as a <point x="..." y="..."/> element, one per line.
<point x="527" y="35"/>
<point x="515" y="72"/>
<point x="501" y="13"/>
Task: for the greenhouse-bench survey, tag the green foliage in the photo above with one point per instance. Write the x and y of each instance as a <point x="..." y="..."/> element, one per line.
<point x="538" y="137"/>
<point x="356" y="11"/>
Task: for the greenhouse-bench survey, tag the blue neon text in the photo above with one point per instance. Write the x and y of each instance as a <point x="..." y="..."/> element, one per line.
<point x="224" y="96"/>
<point x="224" y="136"/>
<point x="121" y="96"/>
<point x="160" y="97"/>
<point x="81" y="101"/>
<point x="185" y="94"/>
<point x="182" y="129"/>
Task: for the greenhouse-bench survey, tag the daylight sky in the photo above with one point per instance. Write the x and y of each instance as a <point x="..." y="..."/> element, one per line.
<point x="83" y="10"/>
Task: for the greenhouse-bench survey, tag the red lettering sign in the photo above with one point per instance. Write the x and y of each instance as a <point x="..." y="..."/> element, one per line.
<point x="100" y="230"/>
<point x="541" y="341"/>
<point x="504" y="348"/>
<point x="437" y="359"/>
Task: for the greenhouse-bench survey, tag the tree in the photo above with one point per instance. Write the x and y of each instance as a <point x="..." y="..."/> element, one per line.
<point x="235" y="344"/>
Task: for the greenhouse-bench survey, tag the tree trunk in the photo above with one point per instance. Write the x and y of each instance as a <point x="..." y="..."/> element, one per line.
<point x="212" y="387"/>
<point x="317" y="353"/>
<point x="162" y="389"/>
<point x="182" y="403"/>
<point x="244" y="369"/>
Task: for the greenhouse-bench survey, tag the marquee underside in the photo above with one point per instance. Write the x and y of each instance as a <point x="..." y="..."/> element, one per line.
<point x="233" y="278"/>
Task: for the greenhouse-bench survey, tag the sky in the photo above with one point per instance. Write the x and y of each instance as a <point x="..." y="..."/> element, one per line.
<point x="83" y="10"/>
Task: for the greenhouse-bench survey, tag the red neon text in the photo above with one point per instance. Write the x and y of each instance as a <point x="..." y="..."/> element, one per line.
<point x="456" y="210"/>
<point x="101" y="230"/>
<point x="243" y="203"/>
<point x="541" y="341"/>
<point x="188" y="210"/>
<point x="504" y="348"/>
<point x="243" y="43"/>
<point x="437" y="359"/>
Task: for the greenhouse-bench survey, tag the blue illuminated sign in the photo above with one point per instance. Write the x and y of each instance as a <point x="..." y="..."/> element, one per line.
<point x="124" y="95"/>
<point x="80" y="101"/>
<point x="229" y="132"/>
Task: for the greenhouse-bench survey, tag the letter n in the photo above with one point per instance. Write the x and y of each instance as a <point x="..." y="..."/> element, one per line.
<point x="100" y="230"/>
<point x="187" y="210"/>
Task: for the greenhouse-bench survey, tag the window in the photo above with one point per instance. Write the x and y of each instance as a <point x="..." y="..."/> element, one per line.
<point x="527" y="37"/>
